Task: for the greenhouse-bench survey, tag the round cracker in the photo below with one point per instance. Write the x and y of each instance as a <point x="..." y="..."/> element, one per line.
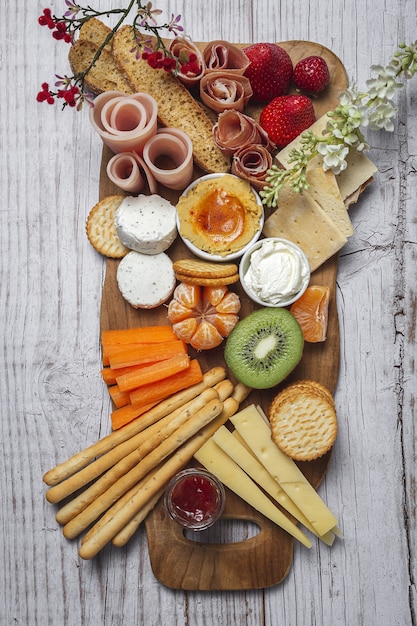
<point x="204" y="269"/>
<point x="207" y="282"/>
<point x="303" y="421"/>
<point x="311" y="386"/>
<point x="101" y="230"/>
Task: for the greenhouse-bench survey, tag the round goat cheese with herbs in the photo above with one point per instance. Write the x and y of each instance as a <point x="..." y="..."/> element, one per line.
<point x="145" y="280"/>
<point x="146" y="224"/>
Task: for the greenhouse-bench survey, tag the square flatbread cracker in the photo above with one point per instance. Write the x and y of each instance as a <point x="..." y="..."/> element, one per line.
<point x="325" y="191"/>
<point x="300" y="219"/>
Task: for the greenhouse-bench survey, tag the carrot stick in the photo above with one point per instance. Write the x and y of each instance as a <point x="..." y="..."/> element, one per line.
<point x="119" y="397"/>
<point x="81" y="459"/>
<point x="154" y="392"/>
<point x="123" y="356"/>
<point x="143" y="334"/>
<point x="153" y="373"/>
<point x="109" y="375"/>
<point x="125" y="414"/>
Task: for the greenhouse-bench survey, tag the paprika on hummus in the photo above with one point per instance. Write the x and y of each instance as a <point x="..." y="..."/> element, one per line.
<point x="219" y="215"/>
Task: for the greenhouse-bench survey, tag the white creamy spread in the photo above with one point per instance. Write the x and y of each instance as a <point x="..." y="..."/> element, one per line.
<point x="276" y="272"/>
<point x="146" y="224"/>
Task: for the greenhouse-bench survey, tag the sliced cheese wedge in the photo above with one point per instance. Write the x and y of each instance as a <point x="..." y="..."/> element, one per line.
<point x="216" y="461"/>
<point x="251" y="426"/>
<point x="240" y="454"/>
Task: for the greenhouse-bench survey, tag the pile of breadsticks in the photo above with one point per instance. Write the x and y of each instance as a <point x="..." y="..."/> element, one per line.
<point x="110" y="487"/>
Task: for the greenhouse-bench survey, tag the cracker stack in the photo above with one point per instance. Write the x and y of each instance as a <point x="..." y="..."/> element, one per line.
<point x="303" y="420"/>
<point x="205" y="274"/>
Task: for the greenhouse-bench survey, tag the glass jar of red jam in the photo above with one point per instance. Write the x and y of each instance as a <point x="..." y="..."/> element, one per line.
<point x="195" y="498"/>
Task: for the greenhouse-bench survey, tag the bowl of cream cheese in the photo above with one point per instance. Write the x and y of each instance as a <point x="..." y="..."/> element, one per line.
<point x="274" y="272"/>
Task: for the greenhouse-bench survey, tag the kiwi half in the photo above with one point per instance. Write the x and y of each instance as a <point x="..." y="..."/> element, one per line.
<point x="264" y="347"/>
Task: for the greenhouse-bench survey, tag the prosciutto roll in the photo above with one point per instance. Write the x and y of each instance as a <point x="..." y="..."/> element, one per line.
<point x="252" y="163"/>
<point x="124" y="122"/>
<point x="225" y="90"/>
<point x="190" y="59"/>
<point x="222" y="55"/>
<point x="235" y="130"/>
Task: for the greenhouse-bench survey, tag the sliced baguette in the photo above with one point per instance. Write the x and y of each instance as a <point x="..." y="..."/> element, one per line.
<point x="104" y="75"/>
<point x="96" y="31"/>
<point x="176" y="107"/>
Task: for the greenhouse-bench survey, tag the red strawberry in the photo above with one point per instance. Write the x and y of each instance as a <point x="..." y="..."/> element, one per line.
<point x="269" y="72"/>
<point x="311" y="74"/>
<point x="286" y="117"/>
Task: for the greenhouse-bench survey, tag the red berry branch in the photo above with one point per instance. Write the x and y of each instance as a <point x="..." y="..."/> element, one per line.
<point x="71" y="89"/>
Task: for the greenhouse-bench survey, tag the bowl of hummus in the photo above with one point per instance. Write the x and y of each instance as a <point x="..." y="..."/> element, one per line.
<point x="274" y="272"/>
<point x="219" y="216"/>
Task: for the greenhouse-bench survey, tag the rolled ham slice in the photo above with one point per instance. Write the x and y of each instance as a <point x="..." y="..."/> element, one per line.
<point x="129" y="172"/>
<point x="175" y="146"/>
<point x="235" y="130"/>
<point x="190" y="59"/>
<point x="225" y="90"/>
<point x="124" y="122"/>
<point x="252" y="163"/>
<point x="222" y="55"/>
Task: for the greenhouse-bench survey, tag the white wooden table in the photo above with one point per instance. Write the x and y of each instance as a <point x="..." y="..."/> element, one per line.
<point x="51" y="396"/>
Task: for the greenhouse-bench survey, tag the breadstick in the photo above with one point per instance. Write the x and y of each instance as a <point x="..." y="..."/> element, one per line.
<point x="121" y="502"/>
<point x="129" y="530"/>
<point x="141" y="444"/>
<point x="146" y="441"/>
<point x="241" y="392"/>
<point x="79" y="523"/>
<point x="176" y="462"/>
<point x="224" y="389"/>
<point x="83" y="458"/>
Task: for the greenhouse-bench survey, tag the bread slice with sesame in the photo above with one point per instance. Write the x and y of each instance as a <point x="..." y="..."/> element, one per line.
<point x="176" y="106"/>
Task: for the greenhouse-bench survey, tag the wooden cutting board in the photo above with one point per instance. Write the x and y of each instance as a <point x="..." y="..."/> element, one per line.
<point x="265" y="558"/>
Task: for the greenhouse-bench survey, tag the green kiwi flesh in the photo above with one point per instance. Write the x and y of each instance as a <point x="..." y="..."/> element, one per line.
<point x="264" y="347"/>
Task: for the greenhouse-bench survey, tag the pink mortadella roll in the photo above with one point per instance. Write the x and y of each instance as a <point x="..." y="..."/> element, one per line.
<point x="129" y="172"/>
<point x="124" y="122"/>
<point x="174" y="148"/>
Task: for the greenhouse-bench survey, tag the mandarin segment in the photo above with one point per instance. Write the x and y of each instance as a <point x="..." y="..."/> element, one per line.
<point x="311" y="311"/>
<point x="206" y="337"/>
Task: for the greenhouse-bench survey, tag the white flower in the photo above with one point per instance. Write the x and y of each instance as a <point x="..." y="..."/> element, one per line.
<point x="384" y="86"/>
<point x="334" y="156"/>
<point x="382" y="116"/>
<point x="348" y="97"/>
